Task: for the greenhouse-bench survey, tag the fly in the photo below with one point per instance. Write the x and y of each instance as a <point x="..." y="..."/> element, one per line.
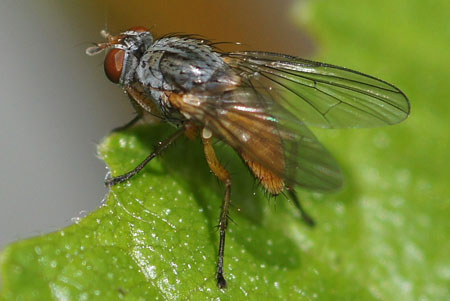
<point x="259" y="103"/>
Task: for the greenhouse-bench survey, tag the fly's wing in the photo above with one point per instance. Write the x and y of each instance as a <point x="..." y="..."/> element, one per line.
<point x="275" y="139"/>
<point x="320" y="94"/>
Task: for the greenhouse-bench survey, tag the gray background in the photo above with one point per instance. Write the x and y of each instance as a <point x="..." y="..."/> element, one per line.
<point x="55" y="107"/>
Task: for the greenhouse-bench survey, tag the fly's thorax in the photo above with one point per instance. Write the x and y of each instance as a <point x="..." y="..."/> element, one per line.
<point x="187" y="68"/>
<point x="182" y="64"/>
<point x="148" y="73"/>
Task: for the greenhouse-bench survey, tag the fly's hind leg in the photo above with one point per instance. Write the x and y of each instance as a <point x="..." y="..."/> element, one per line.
<point x="224" y="176"/>
<point x="306" y="217"/>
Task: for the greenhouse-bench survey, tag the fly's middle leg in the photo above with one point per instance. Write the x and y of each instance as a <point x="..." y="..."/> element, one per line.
<point x="224" y="176"/>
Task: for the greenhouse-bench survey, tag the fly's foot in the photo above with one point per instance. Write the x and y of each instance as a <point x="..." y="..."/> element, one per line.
<point x="221" y="282"/>
<point x="308" y="219"/>
<point x="116" y="180"/>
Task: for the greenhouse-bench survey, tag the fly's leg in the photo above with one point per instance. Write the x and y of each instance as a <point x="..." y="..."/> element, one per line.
<point x="306" y="217"/>
<point x="223" y="176"/>
<point x="161" y="146"/>
<point x="141" y="104"/>
<point x="129" y="124"/>
<point x="139" y="115"/>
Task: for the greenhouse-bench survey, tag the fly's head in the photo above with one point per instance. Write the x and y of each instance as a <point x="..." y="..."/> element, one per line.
<point x="124" y="53"/>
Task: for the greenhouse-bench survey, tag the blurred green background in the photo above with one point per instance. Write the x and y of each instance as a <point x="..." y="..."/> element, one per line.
<point x="384" y="236"/>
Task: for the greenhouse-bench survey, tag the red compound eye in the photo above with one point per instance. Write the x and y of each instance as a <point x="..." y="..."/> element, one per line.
<point x="138" y="29"/>
<point x="114" y="64"/>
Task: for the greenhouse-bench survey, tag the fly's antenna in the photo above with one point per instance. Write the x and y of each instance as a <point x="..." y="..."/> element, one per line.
<point x="97" y="48"/>
<point x="100" y="47"/>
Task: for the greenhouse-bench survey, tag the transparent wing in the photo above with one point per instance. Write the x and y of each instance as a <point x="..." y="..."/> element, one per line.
<point x="320" y="94"/>
<point x="274" y="139"/>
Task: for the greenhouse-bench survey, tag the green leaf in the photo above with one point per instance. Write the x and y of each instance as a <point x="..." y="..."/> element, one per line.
<point x="385" y="236"/>
<point x="156" y="236"/>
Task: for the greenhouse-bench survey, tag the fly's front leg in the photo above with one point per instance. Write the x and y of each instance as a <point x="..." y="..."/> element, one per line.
<point x="161" y="146"/>
<point x="139" y="115"/>
<point x="141" y="104"/>
<point x="223" y="176"/>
